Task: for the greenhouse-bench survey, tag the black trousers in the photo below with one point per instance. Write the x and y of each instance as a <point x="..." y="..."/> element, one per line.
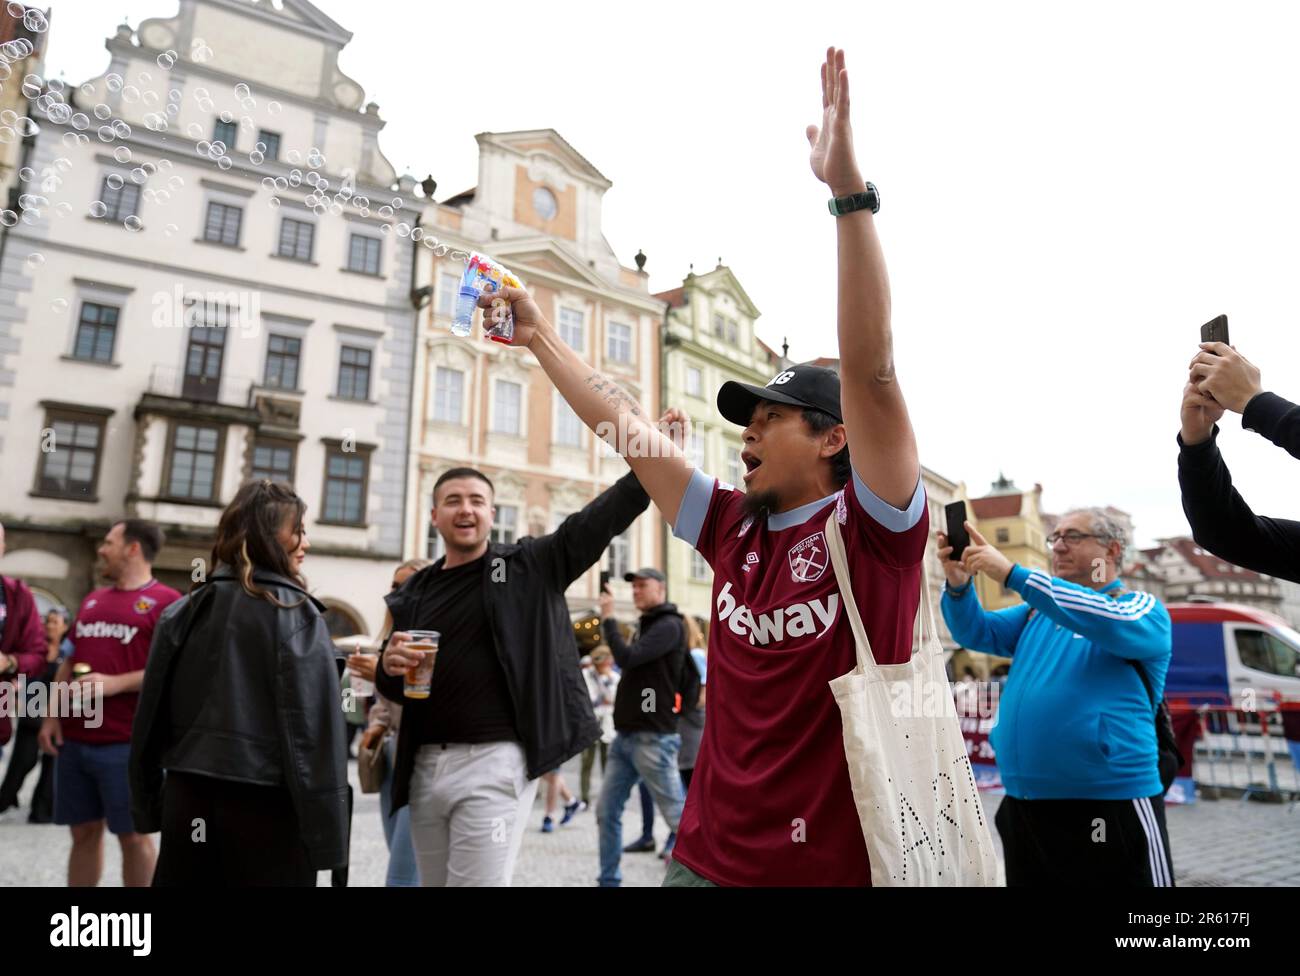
<point x="1085" y="843"/>
<point x="217" y="832"/>
<point x="23" y="757"/>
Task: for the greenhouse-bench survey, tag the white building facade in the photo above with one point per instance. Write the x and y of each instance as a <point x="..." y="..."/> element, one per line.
<point x="185" y="312"/>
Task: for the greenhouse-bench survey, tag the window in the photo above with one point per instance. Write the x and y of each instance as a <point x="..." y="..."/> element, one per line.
<point x="433" y="546"/>
<point x="363" y="254"/>
<point x="70" y="466"/>
<point x="225" y="133"/>
<point x="354" y="373"/>
<point x="283" y="354"/>
<point x="506" y="524"/>
<point x="96" y="330"/>
<point x="733" y="331"/>
<point x="448" y="289"/>
<point x="719" y="325"/>
<point x="194" y="462"/>
<point x="571" y="327"/>
<point x="695" y="449"/>
<point x="345" y="485"/>
<point x="296" y="238"/>
<point x="448" y="394"/>
<point x="271" y="140"/>
<point x="1004" y="535"/>
<point x="699" y="566"/>
<point x="619" y="345"/>
<point x="273" y="459"/>
<point x="694" y="381"/>
<point x="507" y="397"/>
<point x="1262" y="651"/>
<point x="620" y="554"/>
<point x="735" y="467"/>
<point x="121" y="202"/>
<point x="568" y="427"/>
<point x="222" y="225"/>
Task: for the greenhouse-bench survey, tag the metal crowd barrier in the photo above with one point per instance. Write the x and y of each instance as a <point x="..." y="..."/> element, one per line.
<point x="1252" y="754"/>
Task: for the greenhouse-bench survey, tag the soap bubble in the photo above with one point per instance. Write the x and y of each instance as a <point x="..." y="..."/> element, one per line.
<point x="224" y="163"/>
<point x="403" y="229"/>
<point x="162" y="196"/>
<point x="174" y="95"/>
<point x="248" y="104"/>
<point x="113" y="82"/>
<point x="115" y="181"/>
<point x="35" y="259"/>
<point x="132" y="223"/>
<point x="138" y="175"/>
<point x="364" y="211"/>
<point x="226" y="117"/>
<point x="106" y="133"/>
<point x="148" y="168"/>
<point x="281" y="184"/>
<point x="218" y="148"/>
<point x="59" y="305"/>
<point x="273" y="108"/>
<point x="175" y="182"/>
<point x="361" y="202"/>
<point x="27" y="174"/>
<point x="247" y="124"/>
<point x="194" y="131"/>
<point x="27" y="127"/>
<point x="130" y="94"/>
<point x="122" y="154"/>
<point x="35" y="21"/>
<point x="385" y="211"/>
<point x="64" y="209"/>
<point x="170" y="230"/>
<point x="16" y="10"/>
<point x="295" y="177"/>
<point x="167" y="60"/>
<point x="7" y="135"/>
<point x="102" y="111"/>
<point x="149" y="98"/>
<point x="98" y="209"/>
<point x="293" y="157"/>
<point x="88" y="90"/>
<point x="199" y="51"/>
<point x="63" y="164"/>
<point x="312" y="178"/>
<point x="8" y="218"/>
<point x="274" y="202"/>
<point x="202" y="147"/>
<point x="121" y="129"/>
<point x="60" y="114"/>
<point x="155" y="122"/>
<point x="385" y="228"/>
<point x="397" y="203"/>
<point x="80" y="121"/>
<point x="31" y="217"/>
<point x="417" y="233"/>
<point x="206" y="105"/>
<point x="31" y="89"/>
<point x="256" y="158"/>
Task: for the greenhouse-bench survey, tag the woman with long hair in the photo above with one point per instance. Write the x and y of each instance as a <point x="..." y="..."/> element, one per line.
<point x="240" y="708"/>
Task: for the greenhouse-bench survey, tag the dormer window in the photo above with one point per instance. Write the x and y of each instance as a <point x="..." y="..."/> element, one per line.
<point x="545" y="204"/>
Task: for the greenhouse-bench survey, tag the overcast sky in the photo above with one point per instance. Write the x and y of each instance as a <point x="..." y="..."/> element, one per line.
<point x="1067" y="194"/>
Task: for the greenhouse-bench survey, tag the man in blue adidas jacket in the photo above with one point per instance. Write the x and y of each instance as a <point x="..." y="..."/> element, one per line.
<point x="1075" y="734"/>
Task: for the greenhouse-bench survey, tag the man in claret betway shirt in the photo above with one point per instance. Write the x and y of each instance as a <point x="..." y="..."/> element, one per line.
<point x="770" y="802"/>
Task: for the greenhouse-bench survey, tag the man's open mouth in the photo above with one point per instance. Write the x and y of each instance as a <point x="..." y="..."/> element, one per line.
<point x="751" y="463"/>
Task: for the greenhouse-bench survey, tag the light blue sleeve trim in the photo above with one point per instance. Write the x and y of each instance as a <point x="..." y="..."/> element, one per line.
<point x="694" y="507"/>
<point x="894" y="519"/>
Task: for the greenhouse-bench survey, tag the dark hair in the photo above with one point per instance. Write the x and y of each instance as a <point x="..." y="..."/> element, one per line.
<point x="451" y="473"/>
<point x="819" y="421"/>
<point x="248" y="534"/>
<point x="150" y="537"/>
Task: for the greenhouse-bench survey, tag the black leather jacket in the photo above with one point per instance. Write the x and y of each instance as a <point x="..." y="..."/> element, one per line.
<point x="532" y="631"/>
<point x="239" y="689"/>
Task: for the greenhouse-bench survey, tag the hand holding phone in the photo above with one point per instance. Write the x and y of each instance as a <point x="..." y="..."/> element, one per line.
<point x="604" y="581"/>
<point x="958" y="537"/>
<point x="1215" y="330"/>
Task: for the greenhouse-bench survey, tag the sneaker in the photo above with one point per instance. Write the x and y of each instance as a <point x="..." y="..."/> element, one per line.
<point x="572" y="810"/>
<point x="548" y="825"/>
<point x="667" y="852"/>
<point x="646" y="845"/>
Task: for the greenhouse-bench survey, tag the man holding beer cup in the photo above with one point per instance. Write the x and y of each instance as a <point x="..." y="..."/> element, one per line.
<point x="482" y="654"/>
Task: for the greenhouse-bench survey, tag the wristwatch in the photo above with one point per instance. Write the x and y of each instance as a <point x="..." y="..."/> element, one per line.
<point x="867" y="199"/>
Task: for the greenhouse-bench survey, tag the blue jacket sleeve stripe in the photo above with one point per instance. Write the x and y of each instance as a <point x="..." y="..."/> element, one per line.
<point x="1131" y="607"/>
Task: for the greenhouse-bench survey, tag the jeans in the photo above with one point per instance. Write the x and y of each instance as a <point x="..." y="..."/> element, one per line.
<point x="651" y="757"/>
<point x="402" y="870"/>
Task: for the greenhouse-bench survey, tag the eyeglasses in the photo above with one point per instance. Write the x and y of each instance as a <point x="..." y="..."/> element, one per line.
<point x="1071" y="538"/>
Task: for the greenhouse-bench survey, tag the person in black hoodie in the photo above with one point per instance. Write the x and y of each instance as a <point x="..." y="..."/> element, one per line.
<point x="1222" y="379"/>
<point x="507" y="701"/>
<point x="240" y="708"/>
<point x="646" y="742"/>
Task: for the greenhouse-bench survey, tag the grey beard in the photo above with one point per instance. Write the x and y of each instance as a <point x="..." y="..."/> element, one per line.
<point x="760" y="503"/>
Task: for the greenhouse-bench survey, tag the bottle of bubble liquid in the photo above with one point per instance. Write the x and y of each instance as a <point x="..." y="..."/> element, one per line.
<point x="483" y="274"/>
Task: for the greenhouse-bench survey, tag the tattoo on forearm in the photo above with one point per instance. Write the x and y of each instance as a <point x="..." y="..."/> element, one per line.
<point x="610" y="392"/>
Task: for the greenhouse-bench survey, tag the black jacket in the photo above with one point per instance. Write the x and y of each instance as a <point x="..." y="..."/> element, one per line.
<point x="652" y="662"/>
<point x="239" y="689"/>
<point x="1221" y="520"/>
<point x="532" y="631"/>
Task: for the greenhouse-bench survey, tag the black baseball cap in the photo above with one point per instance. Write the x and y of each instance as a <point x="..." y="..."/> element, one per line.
<point x="802" y="385"/>
<point x="645" y="573"/>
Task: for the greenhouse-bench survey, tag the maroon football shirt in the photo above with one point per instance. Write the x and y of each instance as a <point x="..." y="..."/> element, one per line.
<point x="770" y="801"/>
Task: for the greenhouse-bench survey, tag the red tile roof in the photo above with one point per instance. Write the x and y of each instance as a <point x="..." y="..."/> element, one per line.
<point x="675" y="297"/>
<point x="1207" y="563"/>
<point x="996" y="506"/>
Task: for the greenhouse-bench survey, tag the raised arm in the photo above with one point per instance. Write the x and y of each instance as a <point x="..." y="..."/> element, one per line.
<point x="881" y="442"/>
<point x="608" y="410"/>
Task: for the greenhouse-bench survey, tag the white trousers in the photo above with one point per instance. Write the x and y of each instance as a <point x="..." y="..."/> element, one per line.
<point x="469" y="806"/>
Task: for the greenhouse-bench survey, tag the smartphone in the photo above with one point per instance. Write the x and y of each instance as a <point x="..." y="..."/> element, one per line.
<point x="958" y="537"/>
<point x="604" y="581"/>
<point x="1215" y="330"/>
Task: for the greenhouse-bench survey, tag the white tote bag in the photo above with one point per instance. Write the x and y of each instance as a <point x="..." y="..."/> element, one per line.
<point x="912" y="781"/>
